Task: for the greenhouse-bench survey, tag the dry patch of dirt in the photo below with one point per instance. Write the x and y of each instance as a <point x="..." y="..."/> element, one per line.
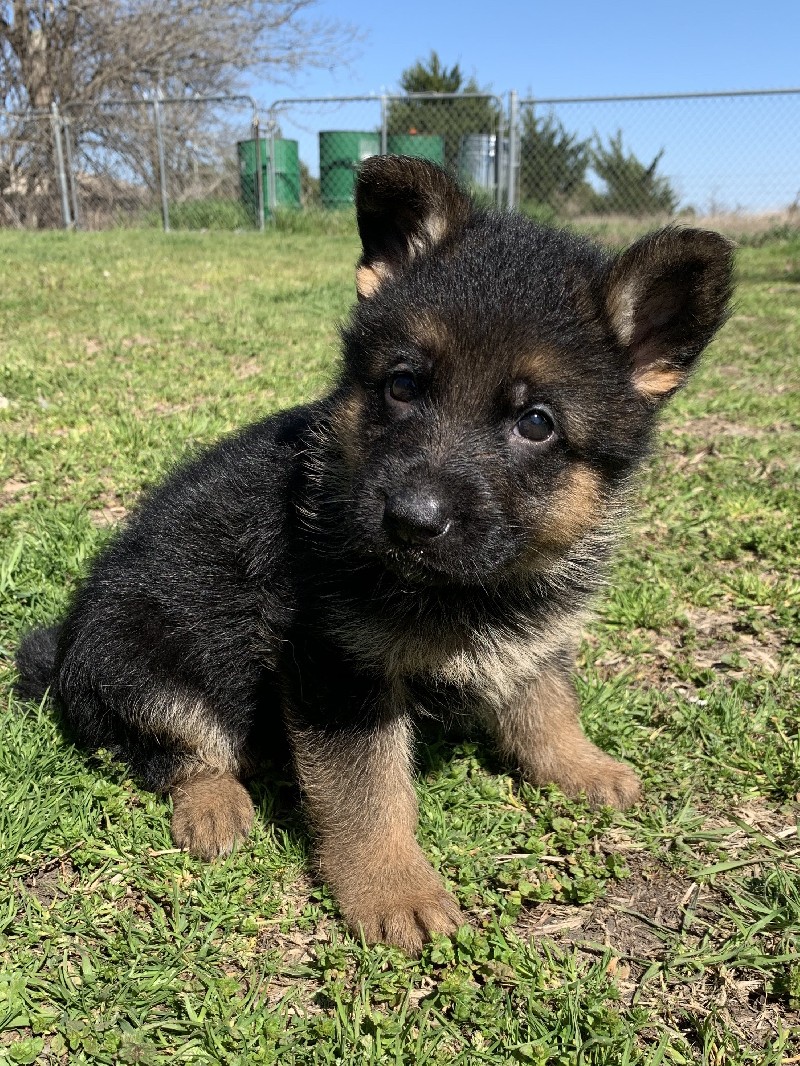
<point x="138" y="341"/>
<point x="647" y="910"/>
<point x="107" y="516"/>
<point x="161" y="407"/>
<point x="15" y="490"/>
<point x="703" y="640"/>
<point x="666" y="934"/>
<point x="110" y="512"/>
<point x="55" y="877"/>
<point x="250" y="368"/>
<point x="294" y="948"/>
<point x="710" y="427"/>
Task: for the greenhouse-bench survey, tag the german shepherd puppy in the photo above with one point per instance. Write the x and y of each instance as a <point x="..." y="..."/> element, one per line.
<point x="430" y="533"/>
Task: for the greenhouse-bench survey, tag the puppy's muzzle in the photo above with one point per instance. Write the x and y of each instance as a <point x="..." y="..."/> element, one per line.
<point x="415" y="516"/>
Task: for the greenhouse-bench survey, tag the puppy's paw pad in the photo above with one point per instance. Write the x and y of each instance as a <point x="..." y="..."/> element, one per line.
<point x="586" y="771"/>
<point x="210" y="814"/>
<point x="408" y="921"/>
<point x="617" y="786"/>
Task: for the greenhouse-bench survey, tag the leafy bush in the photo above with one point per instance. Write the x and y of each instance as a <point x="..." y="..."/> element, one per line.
<point x="631" y="187"/>
<point x="553" y="162"/>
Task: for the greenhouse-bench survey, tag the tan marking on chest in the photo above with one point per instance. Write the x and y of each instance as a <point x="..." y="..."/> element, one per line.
<point x="492" y="663"/>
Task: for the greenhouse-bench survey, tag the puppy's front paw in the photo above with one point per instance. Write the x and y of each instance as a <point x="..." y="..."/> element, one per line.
<point x="401" y="907"/>
<point x="583" y="770"/>
<point x="211" y="812"/>
<point x="613" y="784"/>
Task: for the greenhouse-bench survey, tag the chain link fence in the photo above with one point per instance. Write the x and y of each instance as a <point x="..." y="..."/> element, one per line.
<point x="603" y="164"/>
<point x="176" y="164"/>
<point x="170" y="163"/>
<point x="464" y="132"/>
<point x="613" y="162"/>
<point x="29" y="193"/>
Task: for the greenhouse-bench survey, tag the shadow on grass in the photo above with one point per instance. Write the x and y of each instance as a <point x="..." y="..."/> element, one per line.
<point x="273" y="785"/>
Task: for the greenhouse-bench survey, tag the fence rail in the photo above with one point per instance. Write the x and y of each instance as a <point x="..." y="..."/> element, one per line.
<point x="214" y="162"/>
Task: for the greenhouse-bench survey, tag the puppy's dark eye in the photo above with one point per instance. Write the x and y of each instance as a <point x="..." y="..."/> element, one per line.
<point x="402" y="387"/>
<point x="537" y="425"/>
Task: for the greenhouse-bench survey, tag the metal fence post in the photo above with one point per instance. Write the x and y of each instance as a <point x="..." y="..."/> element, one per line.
<point x="259" y="173"/>
<point x="71" y="176"/>
<point x="272" y="201"/>
<point x="162" y="170"/>
<point x="384" y="125"/>
<point x="513" y="149"/>
<point x="500" y="140"/>
<point x="61" y="176"/>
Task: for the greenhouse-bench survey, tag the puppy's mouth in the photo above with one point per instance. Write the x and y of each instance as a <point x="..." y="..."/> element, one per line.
<point x="422" y="537"/>
<point x="416" y="565"/>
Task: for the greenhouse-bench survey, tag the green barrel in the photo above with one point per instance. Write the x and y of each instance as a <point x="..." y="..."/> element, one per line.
<point x="287" y="174"/>
<point x="340" y="152"/>
<point x="422" y="145"/>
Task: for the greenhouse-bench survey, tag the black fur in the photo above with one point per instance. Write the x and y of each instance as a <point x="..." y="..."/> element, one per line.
<point x="264" y="584"/>
<point x="36" y="660"/>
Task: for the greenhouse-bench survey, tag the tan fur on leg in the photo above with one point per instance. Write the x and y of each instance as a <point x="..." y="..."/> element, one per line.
<point x="361" y="798"/>
<point x="211" y="812"/>
<point x="541" y="732"/>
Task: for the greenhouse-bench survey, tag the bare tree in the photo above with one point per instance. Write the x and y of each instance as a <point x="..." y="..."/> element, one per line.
<point x="85" y="51"/>
<point x="84" y="56"/>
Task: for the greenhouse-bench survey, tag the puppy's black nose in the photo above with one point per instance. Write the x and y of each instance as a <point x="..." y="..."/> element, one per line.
<point x="415" y="517"/>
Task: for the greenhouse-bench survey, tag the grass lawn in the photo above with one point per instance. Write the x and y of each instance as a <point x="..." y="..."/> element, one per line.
<point x="666" y="935"/>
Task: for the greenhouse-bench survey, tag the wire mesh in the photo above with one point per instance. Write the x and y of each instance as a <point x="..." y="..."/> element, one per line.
<point x="601" y="163"/>
<point x="727" y="157"/>
<point x="30" y="197"/>
<point x="114" y="173"/>
<point x="210" y="159"/>
<point x="462" y="132"/>
<point x="160" y="163"/>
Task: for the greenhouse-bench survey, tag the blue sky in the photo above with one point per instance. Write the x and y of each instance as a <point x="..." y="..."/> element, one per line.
<point x="747" y="155"/>
<point x="574" y="47"/>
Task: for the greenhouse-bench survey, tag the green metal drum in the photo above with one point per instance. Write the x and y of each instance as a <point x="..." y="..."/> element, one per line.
<point x="287" y="174"/>
<point x="422" y="145"/>
<point x="340" y="152"/>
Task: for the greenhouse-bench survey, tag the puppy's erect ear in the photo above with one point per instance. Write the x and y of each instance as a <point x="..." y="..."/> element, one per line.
<point x="404" y="207"/>
<point x="666" y="297"/>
